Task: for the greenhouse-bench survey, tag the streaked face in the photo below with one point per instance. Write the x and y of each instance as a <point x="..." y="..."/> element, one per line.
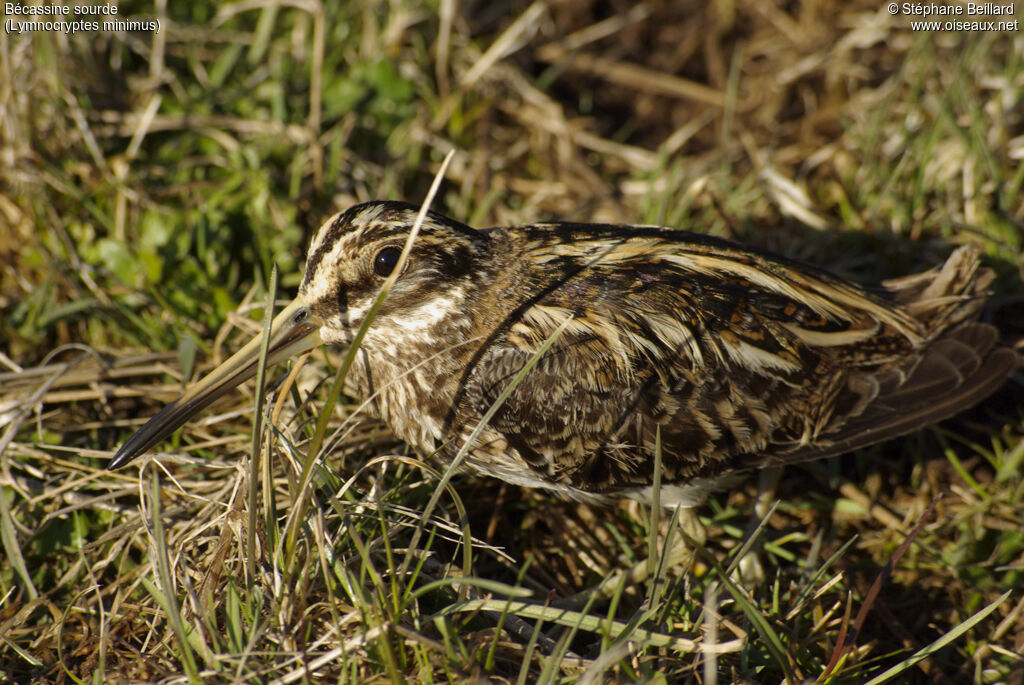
<point x="349" y="260"/>
<point x="355" y="251"/>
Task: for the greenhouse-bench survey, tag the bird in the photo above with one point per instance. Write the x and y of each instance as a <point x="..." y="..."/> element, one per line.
<point x="673" y="351"/>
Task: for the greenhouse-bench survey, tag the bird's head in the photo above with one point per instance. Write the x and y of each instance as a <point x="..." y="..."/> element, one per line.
<point x="356" y="251"/>
<point x="352" y="256"/>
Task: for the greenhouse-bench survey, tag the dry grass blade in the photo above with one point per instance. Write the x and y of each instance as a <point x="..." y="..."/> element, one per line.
<point x="634" y="76"/>
<point x="846" y="640"/>
<point x="151" y="180"/>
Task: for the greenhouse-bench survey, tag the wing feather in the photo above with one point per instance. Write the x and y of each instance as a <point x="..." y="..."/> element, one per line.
<point x="737" y="360"/>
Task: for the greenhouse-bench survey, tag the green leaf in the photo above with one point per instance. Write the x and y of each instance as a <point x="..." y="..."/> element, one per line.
<point x="114" y="256"/>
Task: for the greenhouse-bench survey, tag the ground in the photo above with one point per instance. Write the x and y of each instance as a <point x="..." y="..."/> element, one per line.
<point x="153" y="177"/>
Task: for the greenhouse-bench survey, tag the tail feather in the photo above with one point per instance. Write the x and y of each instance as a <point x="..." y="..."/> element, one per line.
<point x="937" y="390"/>
<point x="959" y="363"/>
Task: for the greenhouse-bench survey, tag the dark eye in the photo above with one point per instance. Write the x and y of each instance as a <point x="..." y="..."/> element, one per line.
<point x="385" y="261"/>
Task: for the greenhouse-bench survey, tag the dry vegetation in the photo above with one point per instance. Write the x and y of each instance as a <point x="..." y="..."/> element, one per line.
<point x="149" y="182"/>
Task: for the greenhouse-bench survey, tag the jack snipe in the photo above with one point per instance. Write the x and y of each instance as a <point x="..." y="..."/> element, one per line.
<point x="743" y="359"/>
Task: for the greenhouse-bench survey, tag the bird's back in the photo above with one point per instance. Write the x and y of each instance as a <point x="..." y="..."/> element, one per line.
<point x="733" y="359"/>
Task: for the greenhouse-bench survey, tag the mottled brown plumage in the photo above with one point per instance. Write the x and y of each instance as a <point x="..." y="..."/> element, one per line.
<point x="740" y="358"/>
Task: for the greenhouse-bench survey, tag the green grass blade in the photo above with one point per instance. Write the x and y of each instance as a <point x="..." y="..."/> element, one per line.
<point x="166" y="597"/>
<point x="11" y="547"/>
<point x="257" y="430"/>
<point x="938" y="644"/>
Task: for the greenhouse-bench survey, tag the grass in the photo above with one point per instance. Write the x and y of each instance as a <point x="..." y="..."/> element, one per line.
<point x="152" y="182"/>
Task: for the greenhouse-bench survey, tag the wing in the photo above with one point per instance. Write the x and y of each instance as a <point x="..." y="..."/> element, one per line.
<point x="959" y="370"/>
<point x="737" y="360"/>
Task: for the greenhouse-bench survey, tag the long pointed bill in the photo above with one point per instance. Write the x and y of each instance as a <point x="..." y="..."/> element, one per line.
<point x="293" y="331"/>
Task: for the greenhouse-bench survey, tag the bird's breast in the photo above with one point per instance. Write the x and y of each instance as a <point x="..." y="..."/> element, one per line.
<point x="411" y="369"/>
